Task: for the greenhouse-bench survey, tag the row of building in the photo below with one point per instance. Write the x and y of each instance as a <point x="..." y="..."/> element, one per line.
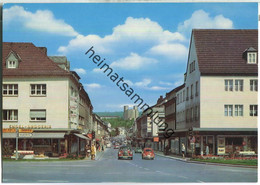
<point x="46" y="103"/>
<point x="215" y="110"/>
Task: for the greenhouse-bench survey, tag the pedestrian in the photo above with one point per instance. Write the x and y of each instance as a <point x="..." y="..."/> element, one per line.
<point x="93" y="152"/>
<point x="103" y="148"/>
<point x="88" y="151"/>
<point x="207" y="150"/>
<point x="183" y="150"/>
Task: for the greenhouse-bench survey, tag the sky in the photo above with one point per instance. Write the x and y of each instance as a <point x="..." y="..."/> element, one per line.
<point x="145" y="43"/>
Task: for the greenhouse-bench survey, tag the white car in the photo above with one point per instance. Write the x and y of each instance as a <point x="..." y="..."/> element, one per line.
<point x="108" y="145"/>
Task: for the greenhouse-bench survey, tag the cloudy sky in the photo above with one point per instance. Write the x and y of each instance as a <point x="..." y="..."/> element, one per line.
<point x="146" y="43"/>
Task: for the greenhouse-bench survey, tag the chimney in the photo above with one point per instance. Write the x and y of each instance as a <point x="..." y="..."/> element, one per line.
<point x="43" y="49"/>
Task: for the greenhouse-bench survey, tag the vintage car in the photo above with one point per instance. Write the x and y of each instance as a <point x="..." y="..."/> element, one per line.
<point x="125" y="152"/>
<point x="148" y="153"/>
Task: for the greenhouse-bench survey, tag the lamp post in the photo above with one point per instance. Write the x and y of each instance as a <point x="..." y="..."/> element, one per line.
<point x="16" y="148"/>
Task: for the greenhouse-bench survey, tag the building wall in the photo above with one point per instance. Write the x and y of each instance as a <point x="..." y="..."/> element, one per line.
<point x="214" y="97"/>
<point x="180" y="110"/>
<point x="191" y="79"/>
<point x="55" y="102"/>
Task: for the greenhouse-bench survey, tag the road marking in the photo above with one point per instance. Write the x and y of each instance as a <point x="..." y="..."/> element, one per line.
<point x="113" y="173"/>
<point x="52" y="181"/>
<point x="183" y="177"/>
<point x="200" y="181"/>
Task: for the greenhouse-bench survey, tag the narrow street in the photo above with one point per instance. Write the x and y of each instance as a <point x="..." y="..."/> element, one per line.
<point x="109" y="169"/>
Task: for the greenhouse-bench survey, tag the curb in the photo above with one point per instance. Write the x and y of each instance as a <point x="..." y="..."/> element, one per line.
<point x="176" y="158"/>
<point x="221" y="164"/>
<point x="187" y="160"/>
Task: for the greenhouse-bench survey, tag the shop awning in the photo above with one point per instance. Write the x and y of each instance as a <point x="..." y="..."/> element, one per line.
<point x="35" y="135"/>
<point x="81" y="136"/>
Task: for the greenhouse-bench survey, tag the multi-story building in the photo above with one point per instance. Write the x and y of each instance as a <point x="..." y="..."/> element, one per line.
<point x="43" y="97"/>
<point x="221" y="93"/>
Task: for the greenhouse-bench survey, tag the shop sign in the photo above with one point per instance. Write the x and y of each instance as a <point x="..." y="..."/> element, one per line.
<point x="30" y="126"/>
<point x="156" y="139"/>
<point x="9" y="130"/>
<point x="25" y="130"/>
<point x="221" y="145"/>
<point x="25" y="134"/>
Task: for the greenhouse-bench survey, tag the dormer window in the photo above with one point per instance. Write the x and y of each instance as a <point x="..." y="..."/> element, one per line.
<point x="12" y="60"/>
<point x="251" y="57"/>
<point x="12" y="64"/>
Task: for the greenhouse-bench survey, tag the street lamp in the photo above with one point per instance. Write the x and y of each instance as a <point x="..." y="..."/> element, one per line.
<point x="16" y="147"/>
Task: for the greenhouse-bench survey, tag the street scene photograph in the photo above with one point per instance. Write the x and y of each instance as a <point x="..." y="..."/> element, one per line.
<point x="129" y="92"/>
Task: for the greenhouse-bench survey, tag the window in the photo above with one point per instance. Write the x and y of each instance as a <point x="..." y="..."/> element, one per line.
<point x="238" y="85"/>
<point x="187" y="96"/>
<point x="10" y="115"/>
<point x="228" y="85"/>
<point x="192" y="114"/>
<point x="38" y="115"/>
<point x="180" y="98"/>
<point x="10" y="89"/>
<point x="253" y="110"/>
<point x="196" y="89"/>
<point x="38" y="89"/>
<point x="184" y="95"/>
<point x="253" y="85"/>
<point x="11" y="64"/>
<point x="191" y="91"/>
<point x="251" y="58"/>
<point x="238" y="110"/>
<point x="177" y="98"/>
<point x="228" y="110"/>
<point x="192" y="66"/>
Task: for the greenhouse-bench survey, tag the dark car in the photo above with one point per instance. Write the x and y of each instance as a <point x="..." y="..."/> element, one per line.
<point x="148" y="153"/>
<point x="138" y="150"/>
<point x="125" y="153"/>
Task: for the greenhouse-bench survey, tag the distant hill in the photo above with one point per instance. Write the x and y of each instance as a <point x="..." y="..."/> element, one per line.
<point x="120" y="114"/>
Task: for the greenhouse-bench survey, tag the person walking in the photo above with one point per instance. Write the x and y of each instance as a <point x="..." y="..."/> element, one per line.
<point x="93" y="152"/>
<point x="183" y="150"/>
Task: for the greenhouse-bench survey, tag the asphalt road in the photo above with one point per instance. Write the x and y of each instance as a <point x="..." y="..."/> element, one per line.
<point x="109" y="169"/>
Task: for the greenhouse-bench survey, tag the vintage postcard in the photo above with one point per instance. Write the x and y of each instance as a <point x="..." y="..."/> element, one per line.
<point x="129" y="92"/>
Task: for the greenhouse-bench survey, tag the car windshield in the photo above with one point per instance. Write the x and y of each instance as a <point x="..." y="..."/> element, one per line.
<point x="148" y="150"/>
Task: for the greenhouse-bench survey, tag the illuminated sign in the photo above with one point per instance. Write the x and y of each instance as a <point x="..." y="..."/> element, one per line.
<point x="156" y="139"/>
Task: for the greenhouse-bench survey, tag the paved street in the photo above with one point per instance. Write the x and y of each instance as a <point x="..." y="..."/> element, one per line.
<point x="109" y="169"/>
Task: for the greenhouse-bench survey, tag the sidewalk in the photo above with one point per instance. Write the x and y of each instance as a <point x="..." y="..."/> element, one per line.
<point x="99" y="155"/>
<point x="188" y="160"/>
<point x="172" y="156"/>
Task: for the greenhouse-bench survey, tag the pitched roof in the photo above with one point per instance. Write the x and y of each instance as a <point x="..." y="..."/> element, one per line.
<point x="33" y="61"/>
<point x="220" y="52"/>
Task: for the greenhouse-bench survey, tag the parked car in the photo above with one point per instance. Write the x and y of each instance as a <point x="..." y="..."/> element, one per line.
<point x="148" y="153"/>
<point x="116" y="146"/>
<point x="138" y="150"/>
<point x="125" y="152"/>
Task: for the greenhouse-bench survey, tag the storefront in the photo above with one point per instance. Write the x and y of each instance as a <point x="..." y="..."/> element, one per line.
<point x="52" y="144"/>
